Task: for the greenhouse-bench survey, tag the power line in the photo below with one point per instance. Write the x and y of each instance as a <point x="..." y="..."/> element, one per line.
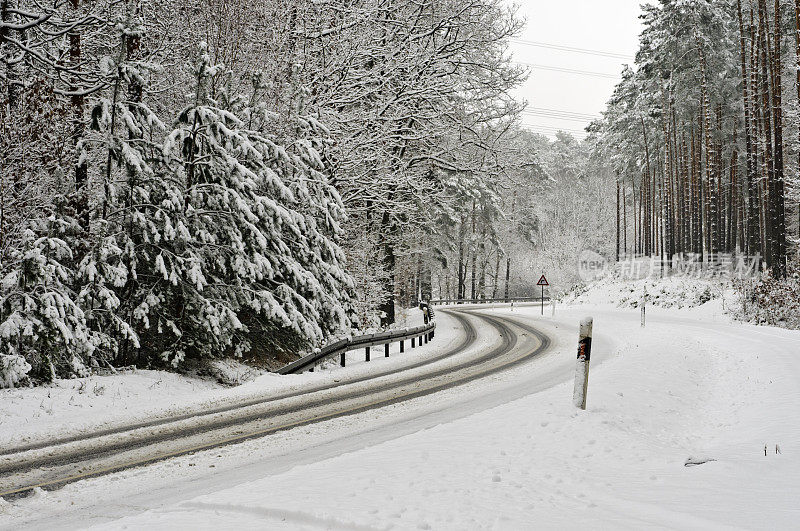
<point x="553" y="127"/>
<point x="557" y="116"/>
<point x="567" y="118"/>
<point x="553" y="135"/>
<point x="561" y="111"/>
<point x="573" y="49"/>
<point x="569" y="70"/>
<point x="552" y="130"/>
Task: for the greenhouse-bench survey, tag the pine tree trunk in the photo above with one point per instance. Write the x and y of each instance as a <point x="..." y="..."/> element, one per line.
<point x="635" y="214"/>
<point x="730" y="240"/>
<point x="710" y="174"/>
<point x="767" y="120"/>
<point x="797" y="69"/>
<point x="625" y="218"/>
<point x="618" y="219"/>
<point x="647" y="228"/>
<point x="777" y="198"/>
<point x="754" y="187"/>
<point x="752" y="241"/>
<point x="666" y="187"/>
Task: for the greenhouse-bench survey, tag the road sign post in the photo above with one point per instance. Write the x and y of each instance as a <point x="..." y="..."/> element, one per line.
<point x="543" y="282"/>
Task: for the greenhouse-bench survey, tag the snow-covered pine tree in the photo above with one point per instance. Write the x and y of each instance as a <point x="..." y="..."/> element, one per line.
<point x="127" y="220"/>
<point x="320" y="284"/>
<point x="250" y="256"/>
<point x="42" y="329"/>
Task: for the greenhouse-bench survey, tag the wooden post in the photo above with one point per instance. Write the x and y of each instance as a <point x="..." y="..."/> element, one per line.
<point x="366" y="350"/>
<point x="582" y="369"/>
<point x="386" y="349"/>
<point x="643" y="304"/>
<point x="412" y="341"/>
<point x="402" y="346"/>
<point x="341" y="358"/>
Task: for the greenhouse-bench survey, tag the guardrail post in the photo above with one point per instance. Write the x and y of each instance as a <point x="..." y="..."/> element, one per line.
<point x="386" y="349"/>
<point x="425" y="335"/>
<point x="412" y="341"/>
<point x="582" y="369"/>
<point x="402" y="346"/>
<point x="367" y="353"/>
<point x="341" y="359"/>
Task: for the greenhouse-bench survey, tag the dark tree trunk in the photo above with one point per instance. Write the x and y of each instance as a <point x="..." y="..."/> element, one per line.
<point x="777" y="199"/>
<point x="618" y="218"/>
<point x="767" y="120"/>
<point x="387" y="308"/>
<point x="508" y="276"/>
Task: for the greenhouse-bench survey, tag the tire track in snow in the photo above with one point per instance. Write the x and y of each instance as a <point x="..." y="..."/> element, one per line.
<point x="469" y="339"/>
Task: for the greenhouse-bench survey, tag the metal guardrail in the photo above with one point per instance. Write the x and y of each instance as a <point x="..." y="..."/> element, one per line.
<point x="341" y="347"/>
<point x="487" y="301"/>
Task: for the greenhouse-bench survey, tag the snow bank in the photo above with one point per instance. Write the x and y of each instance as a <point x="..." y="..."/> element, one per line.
<point x="666" y="292"/>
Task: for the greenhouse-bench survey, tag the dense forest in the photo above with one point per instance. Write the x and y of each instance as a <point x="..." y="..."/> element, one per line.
<point x="702" y="135"/>
<point x="189" y="179"/>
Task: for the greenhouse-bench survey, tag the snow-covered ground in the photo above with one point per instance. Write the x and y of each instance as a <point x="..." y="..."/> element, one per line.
<point x="716" y="296"/>
<point x="70" y="407"/>
<point x="510" y="451"/>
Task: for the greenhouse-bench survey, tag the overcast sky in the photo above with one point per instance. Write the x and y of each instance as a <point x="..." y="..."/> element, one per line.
<point x="608" y="26"/>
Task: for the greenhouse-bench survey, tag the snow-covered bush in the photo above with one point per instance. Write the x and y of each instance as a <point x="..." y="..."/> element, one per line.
<point x="39" y="319"/>
<point x="773" y="302"/>
<point x="13" y="369"/>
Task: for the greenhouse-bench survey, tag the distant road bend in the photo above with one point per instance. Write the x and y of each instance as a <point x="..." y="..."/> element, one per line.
<point x="56" y="462"/>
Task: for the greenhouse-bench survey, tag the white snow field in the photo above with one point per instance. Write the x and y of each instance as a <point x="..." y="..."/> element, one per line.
<point x="509" y="451"/>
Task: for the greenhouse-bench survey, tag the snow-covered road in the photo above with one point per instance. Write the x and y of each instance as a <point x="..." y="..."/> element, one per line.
<point x="507" y="451"/>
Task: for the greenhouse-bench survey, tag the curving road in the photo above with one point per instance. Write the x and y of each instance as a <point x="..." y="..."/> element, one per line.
<point x="51" y="464"/>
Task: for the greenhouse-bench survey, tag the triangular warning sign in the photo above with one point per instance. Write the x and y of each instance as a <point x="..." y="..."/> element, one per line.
<point x="542" y="282"/>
